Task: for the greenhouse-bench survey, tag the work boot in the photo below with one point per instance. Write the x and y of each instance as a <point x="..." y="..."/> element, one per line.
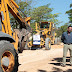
<point x="70" y="64"/>
<point x="63" y="65"/>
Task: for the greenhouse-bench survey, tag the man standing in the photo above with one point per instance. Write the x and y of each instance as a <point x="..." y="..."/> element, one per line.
<point x="67" y="40"/>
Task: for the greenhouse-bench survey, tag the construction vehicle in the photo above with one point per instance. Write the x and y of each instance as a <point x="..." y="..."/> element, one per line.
<point x="44" y="36"/>
<point x="11" y="42"/>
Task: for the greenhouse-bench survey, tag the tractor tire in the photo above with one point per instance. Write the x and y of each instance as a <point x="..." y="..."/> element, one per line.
<point x="26" y="47"/>
<point x="47" y="44"/>
<point x="8" y="57"/>
<point x="20" y="47"/>
<point x="56" y="41"/>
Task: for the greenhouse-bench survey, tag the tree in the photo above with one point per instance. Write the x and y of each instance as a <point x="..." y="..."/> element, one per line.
<point x="43" y="13"/>
<point x="40" y="13"/>
<point x="70" y="14"/>
<point x="61" y="29"/>
<point x="24" y="7"/>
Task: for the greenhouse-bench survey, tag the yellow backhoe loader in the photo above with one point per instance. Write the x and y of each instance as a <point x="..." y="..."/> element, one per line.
<point x="12" y="42"/>
<point x="44" y="35"/>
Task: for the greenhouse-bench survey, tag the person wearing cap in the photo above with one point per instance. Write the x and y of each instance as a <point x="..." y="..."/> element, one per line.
<point x="67" y="40"/>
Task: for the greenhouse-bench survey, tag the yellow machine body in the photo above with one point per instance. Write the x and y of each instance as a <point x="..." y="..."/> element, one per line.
<point x="7" y="6"/>
<point x="47" y="30"/>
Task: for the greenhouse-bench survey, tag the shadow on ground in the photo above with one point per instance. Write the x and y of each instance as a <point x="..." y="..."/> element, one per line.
<point x="59" y="60"/>
<point x="55" y="69"/>
<point x="35" y="48"/>
<point x="58" y="63"/>
<point x="42" y="71"/>
<point x="60" y="70"/>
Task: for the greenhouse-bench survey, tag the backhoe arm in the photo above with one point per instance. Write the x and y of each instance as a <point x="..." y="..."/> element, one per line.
<point x="10" y="6"/>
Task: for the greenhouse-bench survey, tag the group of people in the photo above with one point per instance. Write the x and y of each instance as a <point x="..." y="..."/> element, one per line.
<point x="67" y="40"/>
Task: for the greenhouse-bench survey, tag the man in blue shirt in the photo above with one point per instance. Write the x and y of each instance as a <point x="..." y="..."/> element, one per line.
<point x="67" y="40"/>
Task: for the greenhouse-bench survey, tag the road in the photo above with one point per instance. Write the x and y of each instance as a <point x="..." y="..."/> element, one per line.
<point x="43" y="60"/>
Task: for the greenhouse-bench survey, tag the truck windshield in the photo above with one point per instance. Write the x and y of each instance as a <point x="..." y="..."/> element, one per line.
<point x="44" y="25"/>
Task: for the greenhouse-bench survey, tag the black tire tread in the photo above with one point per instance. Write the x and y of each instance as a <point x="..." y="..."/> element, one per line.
<point x="47" y="44"/>
<point x="5" y="45"/>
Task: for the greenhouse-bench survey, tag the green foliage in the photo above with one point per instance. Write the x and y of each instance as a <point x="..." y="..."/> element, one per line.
<point x="54" y="19"/>
<point x="70" y="14"/>
<point x="61" y="29"/>
<point x="33" y="26"/>
<point x="25" y="8"/>
<point x="70" y="5"/>
<point x="43" y="13"/>
<point x="40" y="13"/>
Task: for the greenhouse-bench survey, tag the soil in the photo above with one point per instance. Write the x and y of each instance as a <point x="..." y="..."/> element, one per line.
<point x="44" y="60"/>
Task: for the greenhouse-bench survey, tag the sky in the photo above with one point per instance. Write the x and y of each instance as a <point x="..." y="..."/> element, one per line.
<point x="59" y="6"/>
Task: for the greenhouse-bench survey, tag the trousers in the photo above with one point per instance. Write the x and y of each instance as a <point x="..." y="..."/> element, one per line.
<point x="65" y="50"/>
